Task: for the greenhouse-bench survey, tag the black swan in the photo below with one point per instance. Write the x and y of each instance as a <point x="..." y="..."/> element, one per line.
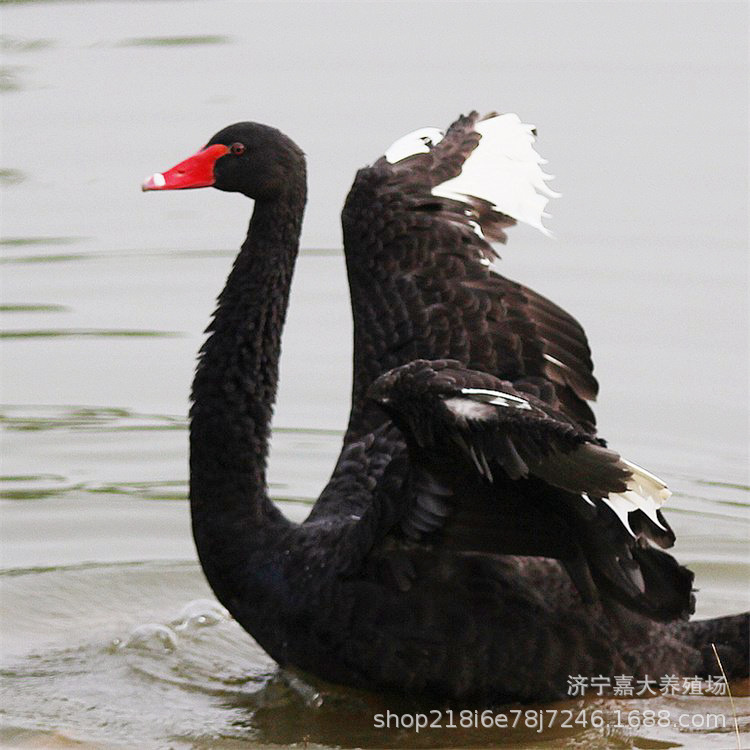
<point x="477" y="542"/>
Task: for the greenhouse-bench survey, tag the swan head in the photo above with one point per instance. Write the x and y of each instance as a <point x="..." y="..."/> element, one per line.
<point x="247" y="157"/>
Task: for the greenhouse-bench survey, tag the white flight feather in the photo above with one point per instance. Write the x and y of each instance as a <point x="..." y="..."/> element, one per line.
<point x="479" y="402"/>
<point x="497" y="398"/>
<point x="588" y="500"/>
<point x="622" y="507"/>
<point x="646" y="492"/>
<point x="417" y="142"/>
<point x="554" y="360"/>
<point x="504" y="169"/>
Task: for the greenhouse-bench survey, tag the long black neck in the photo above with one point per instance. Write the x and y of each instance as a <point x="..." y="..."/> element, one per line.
<point x="233" y="395"/>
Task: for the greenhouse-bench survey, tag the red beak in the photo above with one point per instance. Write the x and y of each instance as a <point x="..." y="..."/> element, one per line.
<point x="196" y="171"/>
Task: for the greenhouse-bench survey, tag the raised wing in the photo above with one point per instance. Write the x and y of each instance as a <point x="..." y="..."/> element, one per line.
<point x="498" y="469"/>
<point x="502" y="453"/>
<point x="417" y="231"/>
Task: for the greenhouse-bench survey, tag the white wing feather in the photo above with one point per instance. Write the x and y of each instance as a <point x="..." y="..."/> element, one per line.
<point x="646" y="492"/>
<point x="417" y="142"/>
<point x="504" y="169"/>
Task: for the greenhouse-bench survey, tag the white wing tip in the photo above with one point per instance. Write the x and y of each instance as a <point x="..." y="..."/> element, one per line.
<point x="645" y="492"/>
<point x="645" y="483"/>
<point x="504" y="170"/>
<point x="417" y="142"/>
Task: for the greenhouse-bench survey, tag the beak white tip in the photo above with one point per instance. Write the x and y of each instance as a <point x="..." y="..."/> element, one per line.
<point x="154" y="182"/>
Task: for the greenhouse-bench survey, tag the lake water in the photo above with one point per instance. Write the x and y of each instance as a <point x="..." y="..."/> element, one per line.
<point x="109" y="638"/>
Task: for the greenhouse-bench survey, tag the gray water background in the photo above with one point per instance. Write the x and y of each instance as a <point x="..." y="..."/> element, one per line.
<point x="642" y="111"/>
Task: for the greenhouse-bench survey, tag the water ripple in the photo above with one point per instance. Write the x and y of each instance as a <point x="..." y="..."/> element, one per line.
<point x="74" y="333"/>
<point x="11" y="176"/>
<point x="26" y="308"/>
<point x="176" y="41"/>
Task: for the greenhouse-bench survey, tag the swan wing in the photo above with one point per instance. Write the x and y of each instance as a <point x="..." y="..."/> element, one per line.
<point x="497" y="469"/>
<point x="418" y="231"/>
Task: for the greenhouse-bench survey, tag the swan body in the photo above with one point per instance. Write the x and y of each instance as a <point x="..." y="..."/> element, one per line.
<point x="477" y="541"/>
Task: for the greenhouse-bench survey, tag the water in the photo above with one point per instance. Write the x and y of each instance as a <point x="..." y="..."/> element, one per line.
<point x="642" y="111"/>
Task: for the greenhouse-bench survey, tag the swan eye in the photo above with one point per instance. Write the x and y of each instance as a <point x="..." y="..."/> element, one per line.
<point x="237" y="148"/>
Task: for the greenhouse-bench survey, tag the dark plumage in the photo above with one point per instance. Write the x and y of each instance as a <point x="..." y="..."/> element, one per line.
<point x="452" y="554"/>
